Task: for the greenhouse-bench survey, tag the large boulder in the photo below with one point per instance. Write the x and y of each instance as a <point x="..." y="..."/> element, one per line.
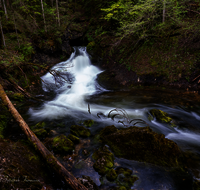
<point x="142" y="144"/>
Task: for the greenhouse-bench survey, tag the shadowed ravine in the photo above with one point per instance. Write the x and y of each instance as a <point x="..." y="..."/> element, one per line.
<point x="76" y="87"/>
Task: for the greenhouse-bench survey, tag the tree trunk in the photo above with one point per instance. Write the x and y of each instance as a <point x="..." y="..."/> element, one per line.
<point x="164" y="9"/>
<point x="47" y="155"/>
<point x="58" y="12"/>
<point x="52" y="3"/>
<point x="4" y="43"/>
<point x="16" y="30"/>
<point x="5" y="9"/>
<point x="43" y="17"/>
<point x="8" y="4"/>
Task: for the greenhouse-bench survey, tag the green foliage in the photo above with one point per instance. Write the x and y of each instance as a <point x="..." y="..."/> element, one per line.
<point x="144" y="17"/>
<point x="26" y="49"/>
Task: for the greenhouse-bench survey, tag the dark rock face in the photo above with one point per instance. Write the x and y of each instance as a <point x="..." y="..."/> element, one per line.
<point x="142" y="144"/>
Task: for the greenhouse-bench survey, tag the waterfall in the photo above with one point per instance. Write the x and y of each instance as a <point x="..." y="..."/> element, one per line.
<point x="75" y="81"/>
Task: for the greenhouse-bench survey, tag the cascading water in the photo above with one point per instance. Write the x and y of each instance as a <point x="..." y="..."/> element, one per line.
<point x="77" y="82"/>
<point x="75" y="86"/>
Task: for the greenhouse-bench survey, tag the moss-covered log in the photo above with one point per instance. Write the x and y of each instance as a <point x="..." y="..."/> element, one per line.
<point x="47" y="155"/>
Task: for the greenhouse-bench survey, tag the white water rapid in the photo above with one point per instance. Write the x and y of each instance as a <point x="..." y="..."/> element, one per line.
<point x="74" y="86"/>
<point x="76" y="82"/>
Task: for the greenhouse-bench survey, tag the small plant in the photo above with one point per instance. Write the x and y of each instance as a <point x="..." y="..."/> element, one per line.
<point x="122" y="114"/>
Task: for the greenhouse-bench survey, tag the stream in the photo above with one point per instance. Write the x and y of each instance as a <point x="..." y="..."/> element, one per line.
<point x="75" y="92"/>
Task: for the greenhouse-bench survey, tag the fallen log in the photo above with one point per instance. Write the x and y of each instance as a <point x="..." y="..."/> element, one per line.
<point x="47" y="155"/>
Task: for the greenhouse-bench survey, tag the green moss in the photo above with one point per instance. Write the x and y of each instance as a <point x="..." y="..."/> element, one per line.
<point x="40" y="133"/>
<point x="15" y="96"/>
<point x="61" y="144"/>
<point x="108" y="130"/>
<point x="104" y="160"/>
<point x="111" y="175"/>
<point x="91" y="45"/>
<point x="121" y="188"/>
<point x="88" y="123"/>
<point x="61" y="125"/>
<point x="125" y="177"/>
<point x="40" y="125"/>
<point x="73" y="138"/>
<point x="127" y="172"/>
<point x="160" y="115"/>
<point x="80" y="131"/>
<point x="142" y="144"/>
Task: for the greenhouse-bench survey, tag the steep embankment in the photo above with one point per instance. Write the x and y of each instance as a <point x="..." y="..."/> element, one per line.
<point x="169" y="57"/>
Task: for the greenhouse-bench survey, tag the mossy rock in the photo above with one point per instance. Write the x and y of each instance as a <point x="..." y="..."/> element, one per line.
<point x="39" y="125"/>
<point x="80" y="131"/>
<point x="73" y="138"/>
<point x="160" y="116"/>
<point x="61" y="144"/>
<point x="127" y="181"/>
<point x="104" y="160"/>
<point x="111" y="175"/>
<point x="144" y="145"/>
<point x="125" y="177"/>
<point x="127" y="172"/>
<point x="88" y="123"/>
<point x="108" y="130"/>
<point x="40" y="133"/>
<point x="121" y="188"/>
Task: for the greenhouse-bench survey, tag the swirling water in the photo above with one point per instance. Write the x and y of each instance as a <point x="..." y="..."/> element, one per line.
<point x="74" y="86"/>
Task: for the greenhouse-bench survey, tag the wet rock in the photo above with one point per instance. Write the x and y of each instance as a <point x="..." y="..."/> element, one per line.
<point x="108" y="80"/>
<point x="73" y="138"/>
<point x="88" y="123"/>
<point x="40" y="133"/>
<point x="88" y="183"/>
<point x="142" y="144"/>
<point x="104" y="160"/>
<point x="53" y="132"/>
<point x="39" y="130"/>
<point x="125" y="177"/>
<point x="161" y="116"/>
<point x="85" y="152"/>
<point x="108" y="130"/>
<point x="61" y="144"/>
<point x="111" y="175"/>
<point x="80" y="131"/>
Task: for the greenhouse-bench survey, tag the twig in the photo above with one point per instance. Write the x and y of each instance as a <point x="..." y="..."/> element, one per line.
<point x="89" y="109"/>
<point x="195" y="78"/>
<point x="193" y="11"/>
